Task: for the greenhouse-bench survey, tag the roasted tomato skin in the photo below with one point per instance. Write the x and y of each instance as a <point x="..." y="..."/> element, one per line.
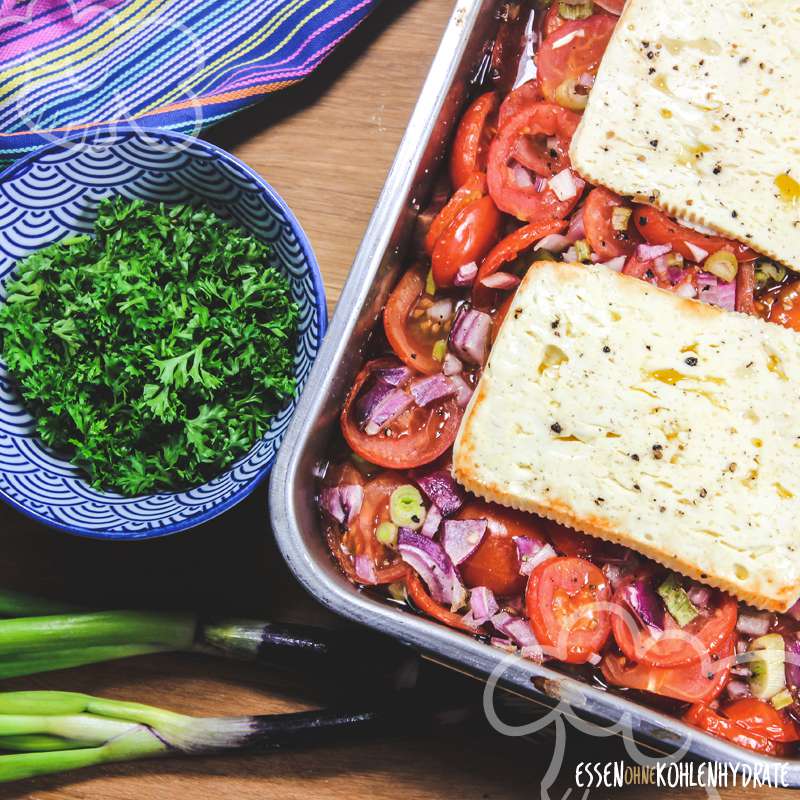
<point x="605" y="240"/>
<point x="470" y="145"/>
<point x="473" y="188"/>
<point x="786" y="307"/>
<point x="701" y="716"/>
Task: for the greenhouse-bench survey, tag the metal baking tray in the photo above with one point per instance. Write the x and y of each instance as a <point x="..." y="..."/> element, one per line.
<point x="293" y="507"/>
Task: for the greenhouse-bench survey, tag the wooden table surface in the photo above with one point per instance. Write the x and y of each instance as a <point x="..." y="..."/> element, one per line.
<point x="326" y="146"/>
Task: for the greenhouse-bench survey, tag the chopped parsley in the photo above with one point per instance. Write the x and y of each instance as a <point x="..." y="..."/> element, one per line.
<point x="154" y="353"/>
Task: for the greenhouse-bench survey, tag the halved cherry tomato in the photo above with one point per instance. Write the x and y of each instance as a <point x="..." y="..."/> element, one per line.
<point x="604" y="239"/>
<point x="708" y="720"/>
<point x="472" y="189"/>
<point x="746" y="288"/>
<point x="471" y="143"/>
<point x="522" y="98"/>
<point x="469" y="238"/>
<point x="562" y="602"/>
<point x="409" y="343"/>
<point x="524" y="141"/>
<point x="425" y="603"/>
<point x="496" y="563"/>
<point x="559" y="62"/>
<point x="416" y="437"/>
<point x="553" y="21"/>
<point x="757" y="716"/>
<point x="675" y="646"/>
<point x="658" y="228"/>
<point x="508" y="249"/>
<point x="690" y="683"/>
<point x="786" y="307"/>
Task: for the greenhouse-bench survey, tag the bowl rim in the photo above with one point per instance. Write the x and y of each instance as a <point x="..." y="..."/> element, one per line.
<point x="87" y="136"/>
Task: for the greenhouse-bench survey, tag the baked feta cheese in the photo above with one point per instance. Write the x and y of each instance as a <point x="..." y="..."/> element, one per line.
<point x="650" y="420"/>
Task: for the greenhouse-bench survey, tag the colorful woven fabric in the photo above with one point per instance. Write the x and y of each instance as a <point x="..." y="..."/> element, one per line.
<point x="176" y="64"/>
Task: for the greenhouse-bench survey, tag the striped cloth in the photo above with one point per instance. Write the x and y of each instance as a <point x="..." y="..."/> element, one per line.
<point x="177" y="64"/>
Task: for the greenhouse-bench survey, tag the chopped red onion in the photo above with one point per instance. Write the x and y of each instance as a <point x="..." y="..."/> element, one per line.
<point x="463" y="391"/>
<point x="741" y="671"/>
<point x="614" y="263"/>
<point x="565" y="185"/>
<point x="685" y="290"/>
<point x="500" y="280"/>
<point x="615" y="574"/>
<point x="441" y="310"/>
<point x="699" y="595"/>
<point x="531" y="553"/>
<point x="554" y="242"/>
<point x="433" y="519"/>
<point x="365" y="569"/>
<point x="576" y="228"/>
<point x="541" y="184"/>
<point x="645" y="603"/>
<point x="466" y="274"/>
<point x="342" y="502"/>
<point x="441" y="489"/>
<point x="698" y="254"/>
<point x="792" y="658"/>
<point x="482" y="603"/>
<point x="571" y="255"/>
<point x="662" y="269"/>
<point x="737" y="690"/>
<point x="715" y="292"/>
<point x="386" y="409"/>
<point x="428" y="390"/>
<point x="451" y="365"/>
<point x="501" y="619"/>
<point x="794" y="611"/>
<point x="520" y="631"/>
<point x="752" y="623"/>
<point x="397" y="376"/>
<point x="462" y="537"/>
<point x="649" y="252"/>
<point x="470" y="335"/>
<point x="503" y="644"/>
<point x="521" y="176"/>
<point x="533" y="652"/>
<point x="741" y="646"/>
<point x="433" y="564"/>
<point x="586" y="80"/>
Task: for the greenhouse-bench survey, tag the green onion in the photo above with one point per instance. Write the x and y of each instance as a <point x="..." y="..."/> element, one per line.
<point x="767" y="668"/>
<point x="543" y="255"/>
<point x="766" y="271"/>
<point x="440" y="349"/>
<point x="782" y="699"/>
<point x="722" y="264"/>
<point x="680" y="607"/>
<point x="620" y="217"/>
<point x="406" y="507"/>
<point x="386" y="533"/>
<point x="583" y="252"/>
<point x="430" y="284"/>
<point x="575" y="10"/>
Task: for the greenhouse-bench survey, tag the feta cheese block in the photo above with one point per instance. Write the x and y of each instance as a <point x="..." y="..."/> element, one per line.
<point x="696" y="106"/>
<point x="657" y="422"/>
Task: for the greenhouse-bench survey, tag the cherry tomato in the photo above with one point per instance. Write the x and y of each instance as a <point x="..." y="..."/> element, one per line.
<point x="604" y="239"/>
<point x="561" y="602"/>
<point x="410" y="343"/>
<point x="745" y="288"/>
<point x="472" y="189"/>
<point x="425" y="603"/>
<point x="708" y="720"/>
<point x="416" y="437"/>
<point x="523" y="141"/>
<point x="471" y="143"/>
<point x="690" y="683"/>
<point x="508" y="249"/>
<point x="760" y="717"/>
<point x="470" y="236"/>
<point x="559" y="62"/>
<point x="496" y="563"/>
<point x="658" y="228"/>
<point x="553" y="21"/>
<point x="675" y="646"/>
<point x="786" y="307"/>
<point x="522" y="98"/>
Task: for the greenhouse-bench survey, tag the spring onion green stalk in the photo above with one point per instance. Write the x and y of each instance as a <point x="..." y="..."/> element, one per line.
<point x="406" y="508"/>
<point x="18" y="604"/>
<point x="60" y="731"/>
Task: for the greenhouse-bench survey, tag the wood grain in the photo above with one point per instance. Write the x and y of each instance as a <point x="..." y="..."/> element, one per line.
<point x="326" y="145"/>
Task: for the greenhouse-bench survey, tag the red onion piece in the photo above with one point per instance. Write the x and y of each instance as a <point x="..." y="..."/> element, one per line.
<point x="441" y="489"/>
<point x="699" y="595"/>
<point x="753" y="623"/>
<point x="432" y="521"/>
<point x="565" y="185"/>
<point x="331" y="501"/>
<point x="469" y="337"/>
<point x="365" y="569"/>
<point x="737" y="690"/>
<point x="715" y="292"/>
<point x="451" y="365"/>
<point x="614" y="263"/>
<point x="792" y="664"/>
<point x="501" y="619"/>
<point x="462" y="537"/>
<point x="586" y="80"/>
<point x="482" y="603"/>
<point x="541" y="184"/>
<point x="616" y="574"/>
<point x="554" y="242"/>
<point x="428" y="390"/>
<point x="576" y="228"/>
<point x="503" y="644"/>
<point x="386" y="409"/>
<point x="397" y="376"/>
<point x="342" y="502"/>
<point x="441" y="310"/>
<point x="531" y="553"/>
<point x="500" y="280"/>
<point x="466" y="274"/>
<point x="649" y="252"/>
<point x="520" y="631"/>
<point x="433" y="564"/>
<point x="698" y="254"/>
<point x="533" y="652"/>
<point x="645" y="603"/>
<point x="463" y="390"/>
<point x="521" y="176"/>
<point x="685" y="290"/>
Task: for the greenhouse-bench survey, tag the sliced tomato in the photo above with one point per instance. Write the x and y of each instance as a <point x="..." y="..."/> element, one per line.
<point x="586" y="41"/>
<point x="658" y="228"/>
<point x="757" y="716"/>
<point x="522" y="144"/>
<point x="690" y="684"/>
<point x="473" y="188"/>
<point x="701" y="716"/>
<point x="786" y="306"/>
<point x="675" y="646"/>
<point x="496" y="563"/>
<point x="425" y="603"/>
<point x="409" y="342"/>
<point x="522" y="98"/>
<point x="565" y="602"/>
<point x="471" y="143"/>
<point x="508" y="249"/>
<point x="469" y="238"/>
<point x="604" y="239"/>
<point x="416" y="437"/>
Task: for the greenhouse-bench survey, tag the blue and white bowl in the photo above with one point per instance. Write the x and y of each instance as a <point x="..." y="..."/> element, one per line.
<point x="54" y="193"/>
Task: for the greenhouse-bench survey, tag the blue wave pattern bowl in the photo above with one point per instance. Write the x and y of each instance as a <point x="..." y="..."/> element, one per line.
<point x="54" y="193"/>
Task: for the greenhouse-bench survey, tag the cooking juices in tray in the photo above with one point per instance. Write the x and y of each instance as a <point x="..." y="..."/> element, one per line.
<point x="398" y="523"/>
